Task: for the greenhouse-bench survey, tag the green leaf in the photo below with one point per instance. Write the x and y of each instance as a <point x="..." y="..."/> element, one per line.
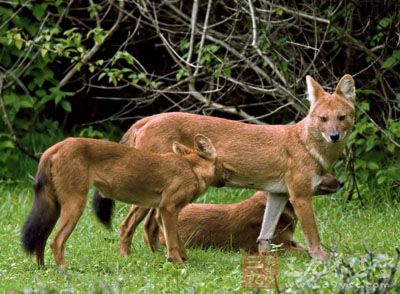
<point x="78" y="66"/>
<point x="70" y="31"/>
<point x="25" y="102"/>
<point x="391" y="147"/>
<point x="184" y="45"/>
<point x="364" y="105"/>
<point x="18" y="41"/>
<point x="21" y="124"/>
<point x="43" y="52"/>
<point x="102" y="75"/>
<point x="99" y="39"/>
<point x="66" y="105"/>
<point x="6" y="144"/>
<point x="381" y="180"/>
<point x="384" y="22"/>
<point x="279" y="12"/>
<point x="181" y="73"/>
<point x="91" y="68"/>
<point x="213" y="48"/>
<point x="142" y="76"/>
<point x="98" y="35"/>
<point x="123" y="55"/>
<point x="372" y="165"/>
<point x="10" y="98"/>
<point x="391" y="60"/>
<point x="38" y="11"/>
<point x="366" y="91"/>
<point x="59" y="94"/>
<point x="227" y="72"/>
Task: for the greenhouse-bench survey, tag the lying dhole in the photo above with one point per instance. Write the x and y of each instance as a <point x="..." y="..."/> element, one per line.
<point x="68" y="169"/>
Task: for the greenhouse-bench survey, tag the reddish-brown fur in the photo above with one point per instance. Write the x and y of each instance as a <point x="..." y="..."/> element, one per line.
<point x="68" y="169"/>
<point x="234" y="225"/>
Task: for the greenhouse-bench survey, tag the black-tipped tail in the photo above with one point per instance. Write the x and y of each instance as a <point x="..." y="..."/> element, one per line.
<point x="41" y="220"/>
<point x="102" y="208"/>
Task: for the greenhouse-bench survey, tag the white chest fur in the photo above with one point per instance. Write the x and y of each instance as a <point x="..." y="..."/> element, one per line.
<point x="275" y="187"/>
<point x="316" y="180"/>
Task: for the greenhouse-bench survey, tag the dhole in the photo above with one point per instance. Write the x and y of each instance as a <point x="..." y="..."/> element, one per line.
<point x="235" y="225"/>
<point x="69" y="168"/>
<point x="285" y="160"/>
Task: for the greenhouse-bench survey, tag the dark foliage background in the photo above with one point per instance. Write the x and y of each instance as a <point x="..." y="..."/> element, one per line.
<point x="93" y="68"/>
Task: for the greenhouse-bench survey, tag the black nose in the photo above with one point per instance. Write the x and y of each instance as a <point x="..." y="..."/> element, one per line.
<point x="335" y="137"/>
<point x="341" y="183"/>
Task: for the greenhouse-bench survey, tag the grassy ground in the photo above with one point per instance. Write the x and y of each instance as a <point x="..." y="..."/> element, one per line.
<point x="96" y="267"/>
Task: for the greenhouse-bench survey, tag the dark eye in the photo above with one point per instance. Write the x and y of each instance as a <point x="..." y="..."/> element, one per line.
<point x="341" y="117"/>
<point x="323" y="118"/>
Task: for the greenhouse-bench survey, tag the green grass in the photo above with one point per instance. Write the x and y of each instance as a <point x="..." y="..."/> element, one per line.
<point x="96" y="267"/>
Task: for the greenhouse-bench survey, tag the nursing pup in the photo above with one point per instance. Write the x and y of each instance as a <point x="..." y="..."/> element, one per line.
<point x="69" y="168"/>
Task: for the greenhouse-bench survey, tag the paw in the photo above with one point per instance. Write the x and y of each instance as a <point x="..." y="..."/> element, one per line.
<point x="264" y="247"/>
<point x="62" y="265"/>
<point x="184" y="257"/>
<point x="155" y="245"/>
<point x="124" y="251"/>
<point x="175" y="260"/>
<point x="319" y="255"/>
<point x="174" y="257"/>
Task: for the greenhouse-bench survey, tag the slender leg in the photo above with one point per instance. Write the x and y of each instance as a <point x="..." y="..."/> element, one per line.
<point x="152" y="230"/>
<point x="296" y="246"/>
<point x="304" y="211"/>
<point x="70" y="214"/>
<point x="127" y="229"/>
<point x="170" y="221"/>
<point x="182" y="249"/>
<point x="275" y="205"/>
<point x="159" y="221"/>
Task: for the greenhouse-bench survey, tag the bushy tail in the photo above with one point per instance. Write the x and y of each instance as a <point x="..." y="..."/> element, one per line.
<point x="42" y="218"/>
<point x="102" y="208"/>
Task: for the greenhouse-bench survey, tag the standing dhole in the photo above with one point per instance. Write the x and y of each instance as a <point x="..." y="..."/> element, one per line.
<point x="285" y="160"/>
<point x="69" y="168"/>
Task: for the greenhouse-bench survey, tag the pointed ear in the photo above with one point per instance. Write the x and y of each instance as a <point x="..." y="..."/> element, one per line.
<point x="181" y="149"/>
<point x="228" y="170"/>
<point x="204" y="146"/>
<point x="314" y="90"/>
<point x="346" y="88"/>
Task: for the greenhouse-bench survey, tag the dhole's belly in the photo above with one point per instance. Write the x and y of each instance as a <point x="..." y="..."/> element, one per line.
<point x="131" y="196"/>
<point x="272" y="186"/>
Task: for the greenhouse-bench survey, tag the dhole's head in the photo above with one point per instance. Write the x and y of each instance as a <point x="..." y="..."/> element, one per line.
<point x="331" y="116"/>
<point x="203" y="157"/>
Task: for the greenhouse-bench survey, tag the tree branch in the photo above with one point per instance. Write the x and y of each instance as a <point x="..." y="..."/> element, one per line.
<point x="96" y="47"/>
<point x="9" y="125"/>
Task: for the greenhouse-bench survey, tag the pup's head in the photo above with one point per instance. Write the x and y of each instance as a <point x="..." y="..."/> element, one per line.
<point x="331" y="116"/>
<point x="203" y="158"/>
<point x="223" y="172"/>
<point x="202" y="148"/>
